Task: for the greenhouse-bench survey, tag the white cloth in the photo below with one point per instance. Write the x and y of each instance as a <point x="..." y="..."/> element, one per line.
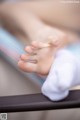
<point x="64" y="74"/>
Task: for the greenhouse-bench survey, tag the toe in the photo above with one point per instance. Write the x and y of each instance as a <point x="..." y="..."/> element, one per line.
<point x="27" y="67"/>
<point x="34" y="44"/>
<point x="29" y="49"/>
<point x="39" y="45"/>
<point x="54" y="40"/>
<point x="29" y="58"/>
<point x="24" y="57"/>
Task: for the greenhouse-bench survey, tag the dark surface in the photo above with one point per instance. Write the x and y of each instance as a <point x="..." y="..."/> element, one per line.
<point x="36" y="102"/>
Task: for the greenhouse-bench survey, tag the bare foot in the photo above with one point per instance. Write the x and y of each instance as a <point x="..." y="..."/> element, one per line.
<point x="38" y="58"/>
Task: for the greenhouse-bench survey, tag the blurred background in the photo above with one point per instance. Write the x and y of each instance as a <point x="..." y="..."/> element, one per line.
<point x="13" y="39"/>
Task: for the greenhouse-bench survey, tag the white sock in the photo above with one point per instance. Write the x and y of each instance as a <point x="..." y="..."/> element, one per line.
<point x="64" y="74"/>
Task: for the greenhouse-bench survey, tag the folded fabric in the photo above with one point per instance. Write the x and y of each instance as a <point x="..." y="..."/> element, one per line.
<point x="64" y="73"/>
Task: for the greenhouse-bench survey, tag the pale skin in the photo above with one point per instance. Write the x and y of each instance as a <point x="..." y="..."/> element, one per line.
<point x="39" y="55"/>
<point x="36" y="29"/>
<point x="38" y="59"/>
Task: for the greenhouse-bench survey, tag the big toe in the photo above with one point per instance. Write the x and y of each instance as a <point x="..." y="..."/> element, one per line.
<point x="39" y="45"/>
<point x="27" y="66"/>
